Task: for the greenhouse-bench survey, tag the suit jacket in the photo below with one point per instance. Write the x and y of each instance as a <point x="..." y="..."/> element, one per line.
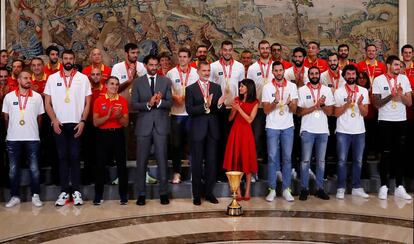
<point x="157" y="117"/>
<point x="202" y="123"/>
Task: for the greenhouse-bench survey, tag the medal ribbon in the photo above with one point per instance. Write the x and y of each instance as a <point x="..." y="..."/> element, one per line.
<point x="130" y="76"/>
<point x="390" y="85"/>
<point x="315" y="99"/>
<point x="334" y="78"/>
<point x="68" y="85"/>
<point x="269" y="63"/>
<point x="205" y="94"/>
<point x="371" y="75"/>
<point x="22" y="106"/>
<point x="353" y="93"/>
<point x="182" y="81"/>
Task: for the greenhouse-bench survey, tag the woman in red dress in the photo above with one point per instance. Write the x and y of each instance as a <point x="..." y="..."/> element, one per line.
<point x="240" y="152"/>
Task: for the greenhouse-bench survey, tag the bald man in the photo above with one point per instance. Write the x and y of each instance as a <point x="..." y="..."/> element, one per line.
<point x="96" y="62"/>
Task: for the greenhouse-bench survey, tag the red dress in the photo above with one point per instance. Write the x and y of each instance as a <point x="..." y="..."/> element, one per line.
<point x="240" y="152"/>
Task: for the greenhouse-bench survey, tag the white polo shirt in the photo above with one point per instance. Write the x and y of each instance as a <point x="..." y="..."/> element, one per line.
<point x="275" y="120"/>
<point x="387" y="112"/>
<point x="346" y="123"/>
<point x="255" y="73"/>
<point x="290" y="75"/>
<point x="119" y="70"/>
<point x="34" y="107"/>
<point x="55" y="87"/>
<point x="330" y="82"/>
<point x="317" y="121"/>
<point x="177" y="87"/>
<point x="217" y="75"/>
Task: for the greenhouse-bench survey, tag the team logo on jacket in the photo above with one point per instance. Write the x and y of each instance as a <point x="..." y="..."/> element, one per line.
<point x="59" y="84"/>
<point x="385" y="88"/>
<point x="220" y="73"/>
<point x="177" y="80"/>
<point x="104" y="107"/>
<point x="308" y="97"/>
<point x="259" y="73"/>
<point x="123" y="76"/>
<point x="15" y="103"/>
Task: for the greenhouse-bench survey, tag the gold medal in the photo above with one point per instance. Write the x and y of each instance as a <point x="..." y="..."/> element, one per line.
<point x="22" y="122"/>
<point x="317" y="114"/>
<point x="281" y="113"/>
<point x="394" y="105"/>
<point x="67" y="100"/>
<point x="353" y="115"/>
<point x="281" y="107"/>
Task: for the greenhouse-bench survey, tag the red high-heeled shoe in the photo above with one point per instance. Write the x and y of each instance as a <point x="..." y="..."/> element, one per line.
<point x="246" y="198"/>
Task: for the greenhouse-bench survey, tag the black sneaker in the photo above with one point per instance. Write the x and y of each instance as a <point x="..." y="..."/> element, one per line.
<point x="320" y="193"/>
<point x="303" y="196"/>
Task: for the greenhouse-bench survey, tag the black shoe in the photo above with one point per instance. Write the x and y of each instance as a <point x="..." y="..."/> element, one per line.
<point x="97" y="200"/>
<point x="211" y="198"/>
<point x="164" y="199"/>
<point x="124" y="200"/>
<point x="320" y="193"/>
<point x="197" y="201"/>
<point x="141" y="201"/>
<point x="303" y="196"/>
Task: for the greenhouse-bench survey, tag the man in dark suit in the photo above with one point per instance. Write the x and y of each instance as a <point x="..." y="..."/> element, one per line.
<point x="203" y="101"/>
<point x="151" y="96"/>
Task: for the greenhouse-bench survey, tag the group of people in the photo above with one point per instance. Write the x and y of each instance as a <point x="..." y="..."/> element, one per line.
<point x="228" y="113"/>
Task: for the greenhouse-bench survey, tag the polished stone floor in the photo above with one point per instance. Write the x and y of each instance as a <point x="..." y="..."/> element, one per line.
<point x="353" y="220"/>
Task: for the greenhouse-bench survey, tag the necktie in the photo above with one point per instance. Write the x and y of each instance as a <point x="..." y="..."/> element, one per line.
<point x="152" y="85"/>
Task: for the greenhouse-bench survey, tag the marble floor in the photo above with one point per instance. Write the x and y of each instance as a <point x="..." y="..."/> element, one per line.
<point x="353" y="220"/>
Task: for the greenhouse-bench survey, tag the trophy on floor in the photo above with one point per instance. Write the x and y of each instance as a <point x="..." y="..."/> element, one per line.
<point x="234" y="209"/>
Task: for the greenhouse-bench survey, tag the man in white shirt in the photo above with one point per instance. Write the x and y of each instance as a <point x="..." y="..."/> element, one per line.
<point x="334" y="80"/>
<point x="67" y="102"/>
<point x="181" y="76"/>
<point x="260" y="72"/>
<point x="392" y="94"/>
<point x="351" y="106"/>
<point x="227" y="73"/>
<point x="126" y="71"/>
<point x="279" y="103"/>
<point x="298" y="73"/>
<point x="22" y="114"/>
<point x="315" y="105"/>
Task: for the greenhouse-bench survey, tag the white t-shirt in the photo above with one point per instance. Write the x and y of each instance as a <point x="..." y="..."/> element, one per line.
<point x="55" y="87"/>
<point x="254" y="73"/>
<point x="327" y="80"/>
<point x="178" y="89"/>
<point x="346" y="123"/>
<point x="34" y="107"/>
<point x="387" y="112"/>
<point x="217" y="75"/>
<point x="317" y="121"/>
<point x="290" y="75"/>
<point x="119" y="70"/>
<point x="275" y="120"/>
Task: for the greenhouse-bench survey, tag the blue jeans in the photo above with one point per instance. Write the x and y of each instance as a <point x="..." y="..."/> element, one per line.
<point x="279" y="145"/>
<point x="343" y="143"/>
<point x="15" y="150"/>
<point x="308" y="140"/>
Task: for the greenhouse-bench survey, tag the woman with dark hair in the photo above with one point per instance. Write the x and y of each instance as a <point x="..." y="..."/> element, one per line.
<point x="370" y="126"/>
<point x="240" y="152"/>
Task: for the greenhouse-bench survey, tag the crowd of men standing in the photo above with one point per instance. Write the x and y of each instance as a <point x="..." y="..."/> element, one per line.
<point x="55" y="112"/>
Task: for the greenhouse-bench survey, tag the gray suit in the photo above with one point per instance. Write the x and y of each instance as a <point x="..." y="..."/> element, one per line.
<point x="152" y="126"/>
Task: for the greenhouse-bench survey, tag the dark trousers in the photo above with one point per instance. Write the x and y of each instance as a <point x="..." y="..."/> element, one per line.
<point x="392" y="163"/>
<point x="330" y="167"/>
<point x="258" y="126"/>
<point x="68" y="148"/>
<point x="16" y="149"/>
<point x="180" y="126"/>
<point x="88" y="152"/>
<point x="200" y="150"/>
<point x="110" y="142"/>
<point x="409" y="145"/>
<point x="48" y="153"/>
<point x="225" y="126"/>
<point x="143" y="151"/>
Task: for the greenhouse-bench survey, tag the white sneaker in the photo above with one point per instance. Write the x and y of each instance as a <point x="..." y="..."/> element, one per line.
<point x="382" y="193"/>
<point x="340" y="193"/>
<point x="287" y="195"/>
<point x="36" y="200"/>
<point x="149" y="179"/>
<point x="77" y="198"/>
<point x="402" y="193"/>
<point x="359" y="192"/>
<point x="13" y="202"/>
<point x="63" y="199"/>
<point x="271" y="196"/>
<point x="279" y="176"/>
<point x="176" y="178"/>
<point x="312" y="175"/>
<point x="253" y="178"/>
